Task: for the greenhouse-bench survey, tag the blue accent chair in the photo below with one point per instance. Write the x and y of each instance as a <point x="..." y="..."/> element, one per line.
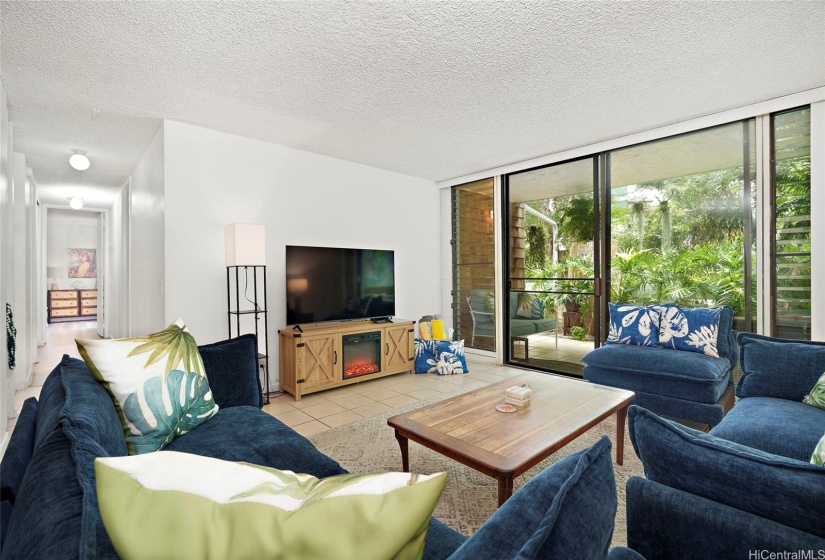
<point x="672" y="383"/>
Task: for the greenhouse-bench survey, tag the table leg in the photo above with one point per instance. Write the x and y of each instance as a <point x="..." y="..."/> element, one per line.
<point x="505" y="488"/>
<point x="621" y="420"/>
<point x="403" y="442"/>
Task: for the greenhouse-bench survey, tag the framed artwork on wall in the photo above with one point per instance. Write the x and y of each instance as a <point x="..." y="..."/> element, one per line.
<point x="82" y="263"/>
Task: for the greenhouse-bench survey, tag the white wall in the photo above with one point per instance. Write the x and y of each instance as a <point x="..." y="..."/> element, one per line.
<point x="24" y="269"/>
<point x="69" y="229"/>
<point x="116" y="300"/>
<point x="6" y="260"/>
<point x="214" y="179"/>
<point x="147" y="239"/>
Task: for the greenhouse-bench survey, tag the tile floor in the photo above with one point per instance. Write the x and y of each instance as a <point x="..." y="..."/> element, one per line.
<point x="316" y="412"/>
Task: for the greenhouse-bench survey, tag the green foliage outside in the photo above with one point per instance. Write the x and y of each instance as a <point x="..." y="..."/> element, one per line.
<point x="675" y="240"/>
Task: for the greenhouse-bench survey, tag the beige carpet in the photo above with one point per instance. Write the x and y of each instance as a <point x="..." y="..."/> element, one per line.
<point x="369" y="445"/>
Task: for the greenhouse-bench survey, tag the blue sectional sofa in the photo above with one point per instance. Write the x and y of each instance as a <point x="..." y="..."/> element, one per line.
<point x="674" y="383"/>
<point x="748" y="485"/>
<point x="49" y="497"/>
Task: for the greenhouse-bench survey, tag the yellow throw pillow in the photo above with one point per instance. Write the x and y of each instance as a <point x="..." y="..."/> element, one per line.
<point x="424" y="332"/>
<point x="177" y="505"/>
<point x="438" y="330"/>
<point x="157" y="383"/>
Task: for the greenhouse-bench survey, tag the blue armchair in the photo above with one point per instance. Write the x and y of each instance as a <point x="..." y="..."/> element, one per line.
<point x="673" y="383"/>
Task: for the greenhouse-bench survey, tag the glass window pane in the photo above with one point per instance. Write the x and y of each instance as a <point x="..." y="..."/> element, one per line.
<point x="679" y="219"/>
<point x="474" y="264"/>
<point x="792" y="263"/>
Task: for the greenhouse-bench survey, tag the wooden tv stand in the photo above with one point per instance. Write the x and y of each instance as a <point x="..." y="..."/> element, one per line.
<point x="312" y="359"/>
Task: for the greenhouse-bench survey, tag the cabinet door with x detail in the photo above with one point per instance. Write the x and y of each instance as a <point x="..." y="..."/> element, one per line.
<point x="398" y="347"/>
<point x="322" y="360"/>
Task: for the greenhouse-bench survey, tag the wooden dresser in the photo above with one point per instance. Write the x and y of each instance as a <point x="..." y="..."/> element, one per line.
<point x="67" y="305"/>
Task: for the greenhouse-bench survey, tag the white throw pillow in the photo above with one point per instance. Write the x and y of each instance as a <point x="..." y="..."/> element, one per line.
<point x="157" y="383"/>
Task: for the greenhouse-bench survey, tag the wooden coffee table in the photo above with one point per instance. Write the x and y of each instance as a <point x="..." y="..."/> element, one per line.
<point x="469" y="429"/>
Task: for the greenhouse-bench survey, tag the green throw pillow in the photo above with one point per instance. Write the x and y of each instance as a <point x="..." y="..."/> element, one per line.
<point x="818" y="458"/>
<point x="817" y="395"/>
<point x="157" y="383"/>
<point x="177" y="505"/>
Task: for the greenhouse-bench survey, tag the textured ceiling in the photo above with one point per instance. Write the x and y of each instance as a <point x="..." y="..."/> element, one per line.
<point x="434" y="90"/>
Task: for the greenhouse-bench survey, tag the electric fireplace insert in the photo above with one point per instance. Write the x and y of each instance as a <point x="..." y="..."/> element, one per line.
<point x="361" y="354"/>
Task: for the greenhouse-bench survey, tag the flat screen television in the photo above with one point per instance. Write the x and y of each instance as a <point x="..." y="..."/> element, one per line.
<point x="336" y="284"/>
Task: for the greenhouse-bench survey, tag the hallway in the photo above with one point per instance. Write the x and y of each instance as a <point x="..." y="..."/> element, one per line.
<point x="60" y="337"/>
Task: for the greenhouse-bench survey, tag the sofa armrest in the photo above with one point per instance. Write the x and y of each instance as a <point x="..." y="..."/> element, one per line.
<point x="668" y="524"/>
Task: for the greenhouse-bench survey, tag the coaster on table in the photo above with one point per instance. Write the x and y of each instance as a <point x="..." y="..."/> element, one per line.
<point x="505" y="408"/>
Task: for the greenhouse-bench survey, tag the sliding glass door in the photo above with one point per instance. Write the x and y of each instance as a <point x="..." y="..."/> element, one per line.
<point x="552" y="311"/>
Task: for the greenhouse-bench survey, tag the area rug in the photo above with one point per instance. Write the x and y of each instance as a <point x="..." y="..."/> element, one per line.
<point x="470" y="498"/>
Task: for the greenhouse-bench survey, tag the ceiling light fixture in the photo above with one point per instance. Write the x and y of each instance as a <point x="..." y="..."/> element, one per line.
<point x="79" y="161"/>
<point x="76" y="202"/>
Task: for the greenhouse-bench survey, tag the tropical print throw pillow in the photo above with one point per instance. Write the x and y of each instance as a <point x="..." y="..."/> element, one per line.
<point x="425" y="360"/>
<point x="179" y="505"/>
<point x="818" y="457"/>
<point x="817" y="395"/>
<point x="442" y="357"/>
<point x="633" y="324"/>
<point x="450" y="357"/>
<point x="157" y="383"/>
<point x="690" y="329"/>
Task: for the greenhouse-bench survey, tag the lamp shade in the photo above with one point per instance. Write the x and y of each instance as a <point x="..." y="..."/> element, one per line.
<point x="245" y="245"/>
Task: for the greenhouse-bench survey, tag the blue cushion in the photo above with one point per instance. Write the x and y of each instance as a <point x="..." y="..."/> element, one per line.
<point x="425" y="358"/>
<point x="451" y="351"/>
<point x="5" y="518"/>
<point x="232" y="370"/>
<point x="784" y="490"/>
<point x="787" y="428"/>
<point x="684" y="375"/>
<point x="775" y="367"/>
<point x="246" y="433"/>
<point x="567" y="511"/>
<point x="47" y="513"/>
<point x="441" y="541"/>
<point x="50" y="403"/>
<point x="633" y="324"/>
<point x="726" y="341"/>
<point x="690" y="329"/>
<point x="19" y="451"/>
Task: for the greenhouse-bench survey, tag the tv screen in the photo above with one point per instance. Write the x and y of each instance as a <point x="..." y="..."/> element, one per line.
<point x="335" y="284"/>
